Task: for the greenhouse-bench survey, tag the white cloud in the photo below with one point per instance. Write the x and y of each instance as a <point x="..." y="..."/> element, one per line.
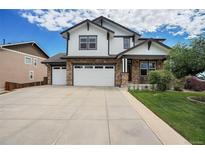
<point x="191" y="22"/>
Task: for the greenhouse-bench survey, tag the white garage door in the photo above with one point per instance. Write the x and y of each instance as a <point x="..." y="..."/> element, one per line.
<point x="94" y="75"/>
<point x="59" y="75"/>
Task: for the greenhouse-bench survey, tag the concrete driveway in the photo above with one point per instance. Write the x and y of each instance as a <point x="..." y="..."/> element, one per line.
<point x="71" y="115"/>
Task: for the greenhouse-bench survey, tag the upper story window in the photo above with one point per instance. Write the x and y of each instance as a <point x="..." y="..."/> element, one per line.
<point x="126" y="42"/>
<point x="35" y="61"/>
<point x="27" y="60"/>
<point x="88" y="42"/>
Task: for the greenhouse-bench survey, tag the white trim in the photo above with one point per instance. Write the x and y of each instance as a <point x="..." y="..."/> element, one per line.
<point x="5" y="45"/>
<point x="11" y="44"/>
<point x="148" y="69"/>
<point x="58" y="75"/>
<point x="126" y="65"/>
<point x="136" y="51"/>
<point x="123" y="67"/>
<point x="35" y="60"/>
<point x="25" y="62"/>
<point x="98" y="75"/>
<point x="30" y="76"/>
<point x="18" y="52"/>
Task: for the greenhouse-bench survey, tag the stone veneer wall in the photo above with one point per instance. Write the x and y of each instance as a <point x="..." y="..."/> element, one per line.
<point x="124" y="79"/>
<point x="120" y="78"/>
<point x="49" y="73"/>
<point x="116" y="62"/>
<point x="160" y="64"/>
<point x="136" y="69"/>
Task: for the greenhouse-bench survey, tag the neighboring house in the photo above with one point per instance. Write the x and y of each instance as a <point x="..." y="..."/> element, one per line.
<point x="102" y="52"/>
<point x="21" y="63"/>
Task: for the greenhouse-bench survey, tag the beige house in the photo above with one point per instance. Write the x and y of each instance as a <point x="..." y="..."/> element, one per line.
<point x="21" y="63"/>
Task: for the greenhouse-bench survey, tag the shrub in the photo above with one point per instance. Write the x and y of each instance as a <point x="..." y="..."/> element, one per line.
<point x="161" y="78"/>
<point x="178" y="85"/>
<point x="193" y="83"/>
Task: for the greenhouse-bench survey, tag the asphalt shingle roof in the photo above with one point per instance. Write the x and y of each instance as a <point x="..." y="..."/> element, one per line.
<point x="55" y="59"/>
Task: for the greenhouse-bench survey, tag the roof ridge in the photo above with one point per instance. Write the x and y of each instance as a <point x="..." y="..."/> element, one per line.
<point x="16" y="43"/>
<point x="116" y="24"/>
<point x="86" y="20"/>
<point x="28" y="42"/>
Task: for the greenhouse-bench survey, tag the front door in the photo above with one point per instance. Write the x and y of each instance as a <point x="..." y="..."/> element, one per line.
<point x="129" y="69"/>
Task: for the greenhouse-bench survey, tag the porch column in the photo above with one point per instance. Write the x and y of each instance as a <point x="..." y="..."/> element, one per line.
<point x="124" y="74"/>
<point x="124" y="65"/>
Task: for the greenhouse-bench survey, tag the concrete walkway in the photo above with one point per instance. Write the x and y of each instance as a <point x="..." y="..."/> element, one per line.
<point x="164" y="132"/>
<point x="71" y="115"/>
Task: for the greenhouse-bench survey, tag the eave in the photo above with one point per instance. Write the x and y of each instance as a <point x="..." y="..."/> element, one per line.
<point x="128" y="29"/>
<point x="87" y="21"/>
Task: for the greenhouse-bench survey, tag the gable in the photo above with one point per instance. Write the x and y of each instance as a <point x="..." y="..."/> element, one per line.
<point x="83" y="23"/>
<point x="29" y="48"/>
<point x="116" y="27"/>
<point x="118" y="30"/>
<point x="102" y="42"/>
<point x="155" y="49"/>
<point x="89" y="28"/>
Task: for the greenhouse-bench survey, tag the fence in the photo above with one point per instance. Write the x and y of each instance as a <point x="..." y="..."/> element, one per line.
<point x="9" y="86"/>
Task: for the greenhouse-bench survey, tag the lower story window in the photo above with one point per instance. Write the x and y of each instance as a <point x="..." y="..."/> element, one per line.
<point x="31" y="75"/>
<point x="146" y="66"/>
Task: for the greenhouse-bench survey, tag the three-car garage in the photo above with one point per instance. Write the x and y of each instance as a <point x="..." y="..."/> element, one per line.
<point x="85" y="75"/>
<point x="78" y="73"/>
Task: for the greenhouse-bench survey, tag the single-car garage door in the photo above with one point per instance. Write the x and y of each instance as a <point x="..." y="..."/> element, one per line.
<point x="59" y="75"/>
<point x="94" y="75"/>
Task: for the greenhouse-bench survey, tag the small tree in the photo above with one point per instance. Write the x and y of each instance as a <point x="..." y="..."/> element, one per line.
<point x="186" y="60"/>
<point x="161" y="78"/>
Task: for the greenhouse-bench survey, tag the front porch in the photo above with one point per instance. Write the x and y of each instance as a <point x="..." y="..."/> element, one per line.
<point x="137" y="68"/>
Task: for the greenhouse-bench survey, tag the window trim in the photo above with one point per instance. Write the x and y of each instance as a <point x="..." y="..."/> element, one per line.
<point x="30" y="76"/>
<point x="29" y="58"/>
<point x="98" y="67"/>
<point x="89" y="67"/>
<point x="35" y="59"/>
<point x="124" y="38"/>
<point x="78" y="66"/>
<point x="148" y="69"/>
<point x="87" y="43"/>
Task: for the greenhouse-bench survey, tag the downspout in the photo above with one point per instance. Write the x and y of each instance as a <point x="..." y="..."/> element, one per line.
<point x="68" y="38"/>
<point x="108" y="39"/>
<point x="133" y="39"/>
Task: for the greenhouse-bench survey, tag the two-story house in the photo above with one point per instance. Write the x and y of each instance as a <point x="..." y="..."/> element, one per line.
<point x="21" y="63"/>
<point x="102" y="52"/>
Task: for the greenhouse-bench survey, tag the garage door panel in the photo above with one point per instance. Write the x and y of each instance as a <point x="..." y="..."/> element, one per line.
<point x="92" y="75"/>
<point x="59" y="75"/>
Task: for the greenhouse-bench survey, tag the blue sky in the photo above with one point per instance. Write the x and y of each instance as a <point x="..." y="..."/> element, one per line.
<point x="44" y="26"/>
<point x="14" y="28"/>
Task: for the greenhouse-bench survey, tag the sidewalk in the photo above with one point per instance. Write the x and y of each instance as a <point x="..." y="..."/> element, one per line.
<point x="163" y="131"/>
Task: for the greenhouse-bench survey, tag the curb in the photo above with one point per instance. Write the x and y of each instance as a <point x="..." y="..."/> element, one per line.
<point x="162" y="130"/>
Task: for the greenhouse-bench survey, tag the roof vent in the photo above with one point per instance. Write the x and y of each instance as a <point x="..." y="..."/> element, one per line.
<point x="4" y="41"/>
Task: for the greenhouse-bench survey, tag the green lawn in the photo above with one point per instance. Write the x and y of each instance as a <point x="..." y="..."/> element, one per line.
<point x="174" y="108"/>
